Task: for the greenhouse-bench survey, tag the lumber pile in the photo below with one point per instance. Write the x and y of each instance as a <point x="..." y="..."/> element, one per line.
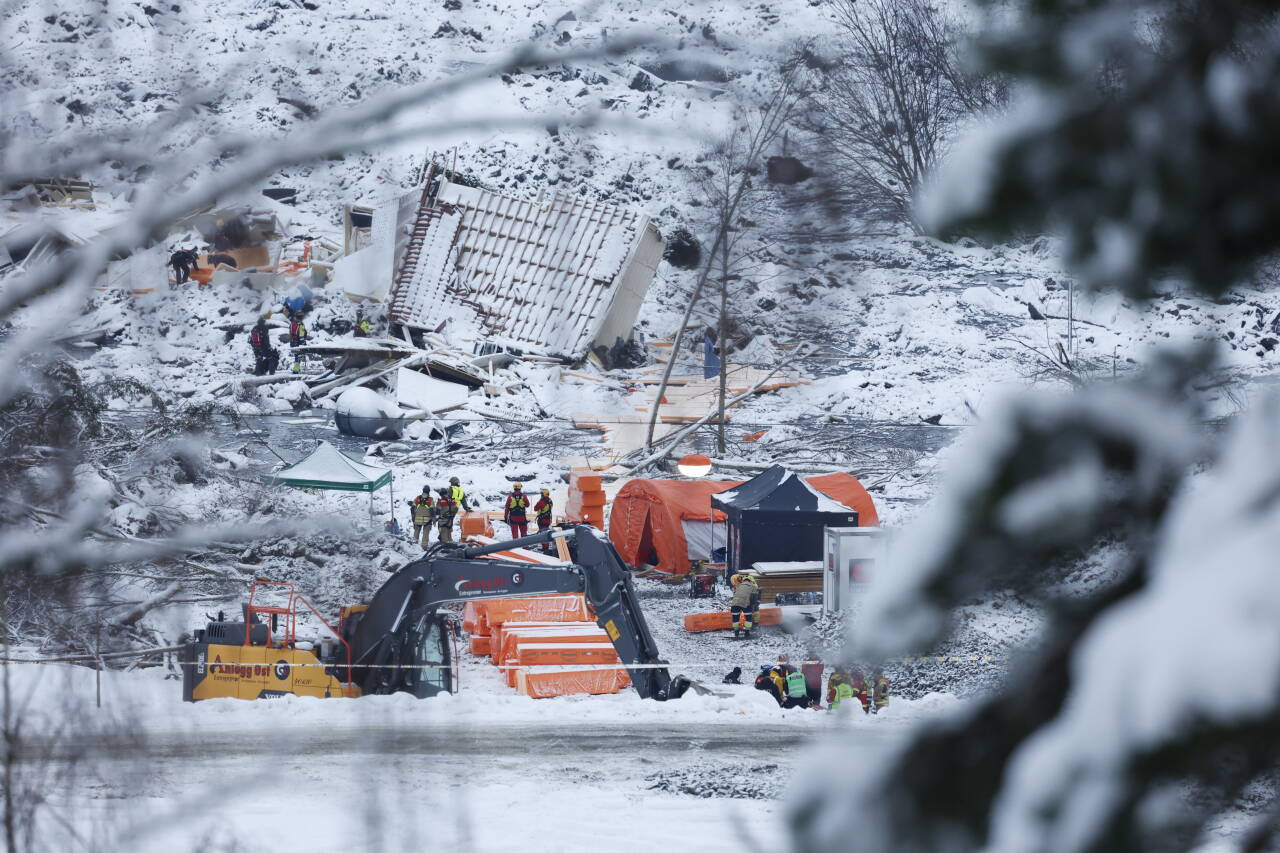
<point x="548" y="645"/>
<point x="775" y="579"/>
<point x="770" y="614"/>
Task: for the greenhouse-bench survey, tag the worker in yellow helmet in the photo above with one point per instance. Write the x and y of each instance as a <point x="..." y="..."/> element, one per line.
<point x="516" y="511"/>
<point x="543" y="510"/>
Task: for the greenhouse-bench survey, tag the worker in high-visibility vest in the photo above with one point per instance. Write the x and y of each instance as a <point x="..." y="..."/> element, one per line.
<point x="542" y="510"/>
<point x="458" y="496"/>
<point x="515" y="512"/>
<point x="879" y="692"/>
<point x="421" y="507"/>
<point x="797" y="691"/>
<point x="839" y="690"/>
<point x="445" y="510"/>
<point x="742" y="606"/>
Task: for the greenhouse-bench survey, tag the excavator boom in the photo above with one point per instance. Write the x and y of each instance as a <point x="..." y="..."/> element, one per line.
<point x="385" y="638"/>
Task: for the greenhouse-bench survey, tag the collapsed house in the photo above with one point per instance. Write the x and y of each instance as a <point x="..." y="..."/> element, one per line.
<point x="563" y="277"/>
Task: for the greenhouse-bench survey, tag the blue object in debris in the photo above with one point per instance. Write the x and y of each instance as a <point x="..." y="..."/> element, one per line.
<point x="710" y="361"/>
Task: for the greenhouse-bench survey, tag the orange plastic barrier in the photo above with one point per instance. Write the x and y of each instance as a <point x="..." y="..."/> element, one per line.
<point x="579" y="512"/>
<point x="475" y="524"/>
<point x="533" y="628"/>
<point x="471" y="614"/>
<point x="573" y="633"/>
<point x="565" y="654"/>
<point x="585" y="480"/>
<point x="586" y="498"/>
<point x="568" y="681"/>
<point x="723" y="621"/>
<point x="479" y="645"/>
<point x="541" y="608"/>
<point x="529" y="652"/>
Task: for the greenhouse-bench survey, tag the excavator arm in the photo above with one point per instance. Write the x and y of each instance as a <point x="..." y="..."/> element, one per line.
<point x="384" y="639"/>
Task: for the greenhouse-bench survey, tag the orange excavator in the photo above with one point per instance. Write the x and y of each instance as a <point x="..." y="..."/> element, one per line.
<point x="400" y="642"/>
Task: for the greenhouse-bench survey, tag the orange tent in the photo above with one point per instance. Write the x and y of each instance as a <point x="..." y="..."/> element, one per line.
<point x="648" y="523"/>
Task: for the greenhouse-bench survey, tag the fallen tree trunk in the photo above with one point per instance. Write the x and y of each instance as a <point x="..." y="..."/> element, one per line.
<point x="254" y="380"/>
<point x="159" y="599"/>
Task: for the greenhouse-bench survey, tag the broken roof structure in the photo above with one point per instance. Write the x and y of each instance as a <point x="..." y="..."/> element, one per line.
<point x="558" y="277"/>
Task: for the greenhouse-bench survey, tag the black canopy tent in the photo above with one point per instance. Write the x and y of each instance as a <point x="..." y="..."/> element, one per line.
<point x="778" y="517"/>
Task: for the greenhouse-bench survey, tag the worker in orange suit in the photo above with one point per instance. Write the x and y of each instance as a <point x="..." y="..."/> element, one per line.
<point x="516" y="511"/>
<point x="542" y="510"/>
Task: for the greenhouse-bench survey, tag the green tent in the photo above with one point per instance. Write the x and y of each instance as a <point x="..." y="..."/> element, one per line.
<point x="328" y="468"/>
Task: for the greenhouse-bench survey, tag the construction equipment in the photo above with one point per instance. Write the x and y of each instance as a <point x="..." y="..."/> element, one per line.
<point x="399" y="642"/>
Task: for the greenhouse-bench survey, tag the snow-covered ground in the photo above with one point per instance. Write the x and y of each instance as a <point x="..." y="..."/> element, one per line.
<point x="496" y="772"/>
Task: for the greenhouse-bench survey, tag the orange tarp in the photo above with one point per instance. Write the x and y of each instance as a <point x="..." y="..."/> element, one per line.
<point x="504" y="651"/>
<point x="539" y="608"/>
<point x="848" y="489"/>
<point x="513" y="640"/>
<point x="568" y="680"/>
<point x="583" y="632"/>
<point x="500" y="631"/>
<point x="722" y="621"/>
<point x="471" y="616"/>
<point x="479" y="645"/>
<point x="648" y="515"/>
<point x="545" y="654"/>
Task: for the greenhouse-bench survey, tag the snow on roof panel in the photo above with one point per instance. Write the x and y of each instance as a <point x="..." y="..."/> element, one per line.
<point x="540" y="275"/>
<point x="328" y="468"/>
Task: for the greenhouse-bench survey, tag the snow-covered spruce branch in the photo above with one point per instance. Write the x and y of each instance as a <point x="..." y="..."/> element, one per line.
<point x="1044" y="479"/>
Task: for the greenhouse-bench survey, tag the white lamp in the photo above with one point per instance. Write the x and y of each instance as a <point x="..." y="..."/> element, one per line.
<point x="694" y="465"/>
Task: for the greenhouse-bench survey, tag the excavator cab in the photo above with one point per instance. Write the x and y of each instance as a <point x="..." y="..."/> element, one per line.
<point x="432" y="647"/>
<point x="420" y="659"/>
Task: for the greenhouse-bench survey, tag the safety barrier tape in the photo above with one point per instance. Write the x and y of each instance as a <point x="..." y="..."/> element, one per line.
<point x="667" y="665"/>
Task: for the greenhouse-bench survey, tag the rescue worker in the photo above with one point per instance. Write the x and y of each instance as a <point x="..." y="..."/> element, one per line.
<point x="264" y="355"/>
<point x="183" y="261"/>
<point x="812" y="669"/>
<point x="839" y="689"/>
<point x="458" y="495"/>
<point x="363" y="327"/>
<point x="880" y="691"/>
<point x="861" y="690"/>
<point x="297" y="338"/>
<point x="514" y="513"/>
<point x="446" y="509"/>
<point x="542" y="510"/>
<point x="797" y="690"/>
<point x="742" y="605"/>
<point x="421" y="507"/>
<point x="772" y="680"/>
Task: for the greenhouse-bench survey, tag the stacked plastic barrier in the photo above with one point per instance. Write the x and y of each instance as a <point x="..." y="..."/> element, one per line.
<point x="548" y="645"/>
<point x="586" y="498"/>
